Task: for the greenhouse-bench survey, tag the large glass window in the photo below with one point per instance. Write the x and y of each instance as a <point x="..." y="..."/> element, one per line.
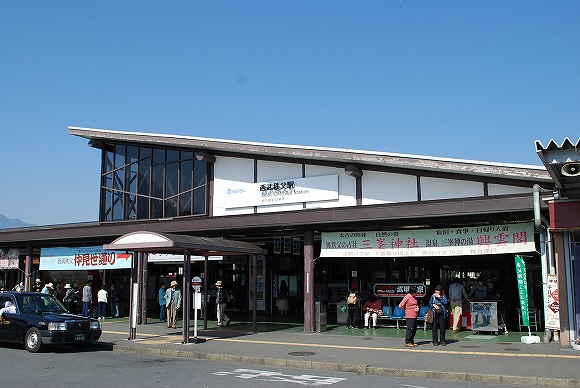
<point x="144" y="183"/>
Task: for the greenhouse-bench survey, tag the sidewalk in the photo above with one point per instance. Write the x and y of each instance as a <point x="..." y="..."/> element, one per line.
<point x="501" y="359"/>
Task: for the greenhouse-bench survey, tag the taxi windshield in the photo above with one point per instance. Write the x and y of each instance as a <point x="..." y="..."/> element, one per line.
<point x="42" y="302"/>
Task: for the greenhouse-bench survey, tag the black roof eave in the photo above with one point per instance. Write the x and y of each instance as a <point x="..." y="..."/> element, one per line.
<point x="428" y="213"/>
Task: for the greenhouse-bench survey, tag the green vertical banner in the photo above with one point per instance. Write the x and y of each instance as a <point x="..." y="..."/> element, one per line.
<point x="522" y="289"/>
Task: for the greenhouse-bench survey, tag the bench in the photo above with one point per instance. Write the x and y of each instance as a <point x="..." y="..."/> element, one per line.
<point x="389" y="315"/>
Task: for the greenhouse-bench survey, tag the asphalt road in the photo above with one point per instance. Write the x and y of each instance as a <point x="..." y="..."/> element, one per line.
<point x="60" y="367"/>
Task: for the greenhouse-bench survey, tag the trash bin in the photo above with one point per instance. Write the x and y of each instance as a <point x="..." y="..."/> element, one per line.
<point x="341" y="313"/>
<point x="320" y="316"/>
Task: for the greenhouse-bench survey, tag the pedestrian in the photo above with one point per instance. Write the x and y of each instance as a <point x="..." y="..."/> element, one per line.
<point x="162" y="303"/>
<point x="19" y="287"/>
<point x="102" y="299"/>
<point x="37" y="287"/>
<point x="221" y="301"/>
<point x="172" y="302"/>
<point x="58" y="291"/>
<point x="87" y="298"/>
<point x="114" y="297"/>
<point x="456" y="295"/>
<point x="411" y="307"/>
<point x="437" y="302"/>
<point x="353" y="301"/>
<point x="479" y="291"/>
<point x="48" y="289"/>
<point x="121" y="298"/>
<point x="71" y="298"/>
<point x="283" y="305"/>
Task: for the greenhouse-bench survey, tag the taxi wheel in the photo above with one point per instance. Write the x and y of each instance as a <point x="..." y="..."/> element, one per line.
<point x="33" y="340"/>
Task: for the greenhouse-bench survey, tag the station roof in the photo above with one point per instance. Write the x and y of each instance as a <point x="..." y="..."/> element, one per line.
<point x="144" y="241"/>
<point x="389" y="160"/>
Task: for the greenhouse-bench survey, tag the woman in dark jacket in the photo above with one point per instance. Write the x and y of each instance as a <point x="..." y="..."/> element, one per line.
<point x="438" y="302"/>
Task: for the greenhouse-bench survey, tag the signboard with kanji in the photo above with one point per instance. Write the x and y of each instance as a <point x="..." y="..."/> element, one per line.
<point x="522" y="289"/>
<point x="464" y="241"/>
<point x="397" y="289"/>
<point x="83" y="258"/>
<point x="552" y="303"/>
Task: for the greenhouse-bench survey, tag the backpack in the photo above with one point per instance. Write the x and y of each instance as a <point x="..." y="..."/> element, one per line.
<point x="352" y="298"/>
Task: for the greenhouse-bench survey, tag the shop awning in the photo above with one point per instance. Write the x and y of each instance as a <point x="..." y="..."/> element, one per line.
<point x="144" y="241"/>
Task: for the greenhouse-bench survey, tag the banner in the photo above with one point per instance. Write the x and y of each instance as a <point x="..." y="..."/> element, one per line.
<point x="552" y="303"/>
<point x="522" y="289"/>
<point x="464" y="241"/>
<point x="83" y="258"/>
<point x="10" y="259"/>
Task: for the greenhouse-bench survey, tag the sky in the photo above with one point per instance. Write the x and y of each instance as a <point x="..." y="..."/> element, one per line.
<point x="478" y="80"/>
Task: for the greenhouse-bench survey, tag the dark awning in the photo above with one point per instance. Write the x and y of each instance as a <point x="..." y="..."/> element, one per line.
<point x="144" y="241"/>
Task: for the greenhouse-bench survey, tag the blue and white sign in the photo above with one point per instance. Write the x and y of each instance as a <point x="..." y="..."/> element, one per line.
<point x="83" y="258"/>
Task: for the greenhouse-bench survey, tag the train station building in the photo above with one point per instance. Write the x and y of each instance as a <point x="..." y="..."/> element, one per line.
<point x="324" y="220"/>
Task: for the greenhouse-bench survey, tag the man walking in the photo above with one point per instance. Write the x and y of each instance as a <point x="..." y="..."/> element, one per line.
<point x="221" y="302"/>
<point x="172" y="302"/>
<point x="87" y="298"/>
<point x="162" y="303"/>
<point x="456" y="295"/>
<point x="102" y="299"/>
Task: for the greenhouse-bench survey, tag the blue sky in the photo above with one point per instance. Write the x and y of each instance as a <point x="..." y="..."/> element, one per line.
<point x="475" y="80"/>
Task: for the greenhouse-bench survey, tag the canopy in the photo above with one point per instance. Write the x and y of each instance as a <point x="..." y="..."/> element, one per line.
<point x="154" y="242"/>
<point x="144" y="241"/>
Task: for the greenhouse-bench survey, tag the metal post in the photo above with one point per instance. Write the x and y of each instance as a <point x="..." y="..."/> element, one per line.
<point x="309" y="281"/>
<point x="132" y="318"/>
<point x="205" y="290"/>
<point x="144" y="274"/>
<point x="186" y="297"/>
<point x="139" y="282"/>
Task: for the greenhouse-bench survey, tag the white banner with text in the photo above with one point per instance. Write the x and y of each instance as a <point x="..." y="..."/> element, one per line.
<point x="464" y="241"/>
<point x="84" y="258"/>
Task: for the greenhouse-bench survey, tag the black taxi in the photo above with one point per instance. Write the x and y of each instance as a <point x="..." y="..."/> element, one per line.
<point x="36" y="319"/>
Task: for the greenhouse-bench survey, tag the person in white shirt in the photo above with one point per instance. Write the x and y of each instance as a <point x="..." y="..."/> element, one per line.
<point x="102" y="297"/>
<point x="456" y="295"/>
<point x="8" y="308"/>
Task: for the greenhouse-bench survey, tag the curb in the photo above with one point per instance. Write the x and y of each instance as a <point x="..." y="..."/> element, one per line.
<point x="351" y="368"/>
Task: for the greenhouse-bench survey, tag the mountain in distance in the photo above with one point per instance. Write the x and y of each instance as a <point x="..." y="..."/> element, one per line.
<point x="6" y="223"/>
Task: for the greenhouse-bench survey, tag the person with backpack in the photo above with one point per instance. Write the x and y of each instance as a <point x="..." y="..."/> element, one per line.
<point x="353" y="302"/>
<point x="71" y="298"/>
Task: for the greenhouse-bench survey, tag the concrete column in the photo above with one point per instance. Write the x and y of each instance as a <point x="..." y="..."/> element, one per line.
<point x="309" y="281"/>
<point x="255" y="293"/>
<point x="27" y="269"/>
<point x="561" y="268"/>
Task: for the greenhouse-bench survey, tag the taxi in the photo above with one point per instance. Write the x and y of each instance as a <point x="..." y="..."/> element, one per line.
<point x="35" y="320"/>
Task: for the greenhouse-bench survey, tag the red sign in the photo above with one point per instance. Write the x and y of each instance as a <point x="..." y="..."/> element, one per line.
<point x="397" y="289"/>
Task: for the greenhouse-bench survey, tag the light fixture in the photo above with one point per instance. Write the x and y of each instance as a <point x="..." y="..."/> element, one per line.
<point x="353" y="171"/>
<point x="205" y="157"/>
